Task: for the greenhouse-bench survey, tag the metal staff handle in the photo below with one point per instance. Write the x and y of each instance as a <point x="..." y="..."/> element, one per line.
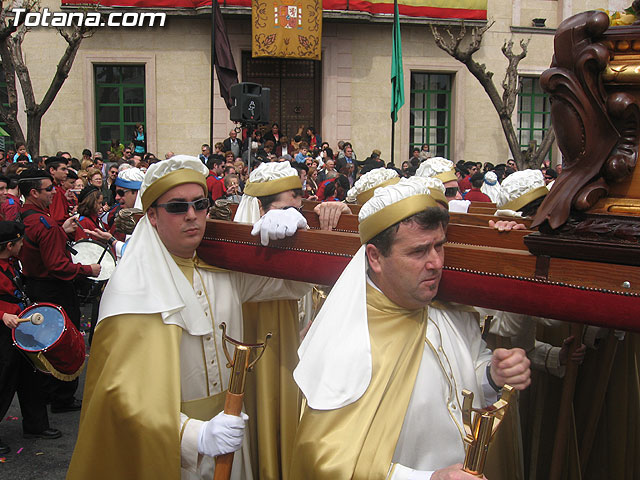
<point x="240" y="365"/>
<point x="36" y="319"/>
<point x="480" y="425"/>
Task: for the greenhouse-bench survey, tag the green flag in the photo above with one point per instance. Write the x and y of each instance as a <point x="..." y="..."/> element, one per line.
<point x="397" y="78"/>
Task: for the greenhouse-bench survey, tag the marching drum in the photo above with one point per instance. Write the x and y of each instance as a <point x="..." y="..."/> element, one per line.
<point x="88" y="252"/>
<point x="54" y="344"/>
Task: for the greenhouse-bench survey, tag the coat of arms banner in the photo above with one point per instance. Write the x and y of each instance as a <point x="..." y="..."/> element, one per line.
<point x="286" y="28"/>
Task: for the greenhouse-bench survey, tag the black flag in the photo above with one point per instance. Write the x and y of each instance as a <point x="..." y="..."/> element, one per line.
<point x="223" y="61"/>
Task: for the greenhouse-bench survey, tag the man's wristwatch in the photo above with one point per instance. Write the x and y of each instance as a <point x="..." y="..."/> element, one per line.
<point x="490" y="379"/>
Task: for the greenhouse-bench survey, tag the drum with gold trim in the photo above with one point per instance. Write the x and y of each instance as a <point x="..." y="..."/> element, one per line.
<point x="54" y="345"/>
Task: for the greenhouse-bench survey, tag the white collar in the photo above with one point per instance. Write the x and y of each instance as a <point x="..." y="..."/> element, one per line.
<point x="342" y="326"/>
<point x="147" y="280"/>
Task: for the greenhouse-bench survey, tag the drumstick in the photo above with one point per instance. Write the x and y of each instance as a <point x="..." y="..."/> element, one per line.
<point x="105" y="248"/>
<point x="36" y="319"/>
<point x="104" y="252"/>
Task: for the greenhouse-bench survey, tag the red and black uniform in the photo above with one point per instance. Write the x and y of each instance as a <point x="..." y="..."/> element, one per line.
<point x="16" y="372"/>
<point x="88" y="223"/>
<point x="60" y="205"/>
<point x="44" y="255"/>
<point x="10" y="208"/>
<point x="49" y="273"/>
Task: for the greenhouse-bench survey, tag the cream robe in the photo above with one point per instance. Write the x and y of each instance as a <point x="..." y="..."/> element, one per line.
<point x="126" y="430"/>
<point x="202" y="361"/>
<point x="454" y="358"/>
<point x="360" y="440"/>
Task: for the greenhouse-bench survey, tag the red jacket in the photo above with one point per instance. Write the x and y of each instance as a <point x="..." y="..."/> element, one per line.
<point x="475" y="195"/>
<point x="8" y="299"/>
<point x="215" y="186"/>
<point x="59" y="208"/>
<point x="44" y="253"/>
<point x="465" y="183"/>
<point x="89" y="224"/>
<point x="8" y="289"/>
<point x="10" y="208"/>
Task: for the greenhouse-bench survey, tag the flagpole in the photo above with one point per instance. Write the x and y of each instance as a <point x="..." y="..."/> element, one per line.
<point x="397" y="77"/>
<point x="393" y="136"/>
<point x="213" y="59"/>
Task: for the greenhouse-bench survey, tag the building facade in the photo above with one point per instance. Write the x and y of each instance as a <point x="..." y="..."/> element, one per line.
<point x="160" y="76"/>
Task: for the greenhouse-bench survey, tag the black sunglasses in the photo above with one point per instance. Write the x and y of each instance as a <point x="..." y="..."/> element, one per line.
<point x="451" y="191"/>
<point x="121" y="193"/>
<point x="183" y="207"/>
<point x="49" y="188"/>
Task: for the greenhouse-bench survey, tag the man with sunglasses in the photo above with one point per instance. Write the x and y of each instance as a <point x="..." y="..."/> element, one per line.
<point x="47" y="266"/>
<point x="156" y="379"/>
<point x="126" y="155"/>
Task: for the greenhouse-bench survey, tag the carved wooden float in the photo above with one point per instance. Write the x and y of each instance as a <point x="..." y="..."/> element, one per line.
<point x="483" y="267"/>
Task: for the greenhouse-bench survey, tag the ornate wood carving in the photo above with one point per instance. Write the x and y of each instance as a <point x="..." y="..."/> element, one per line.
<point x="597" y="129"/>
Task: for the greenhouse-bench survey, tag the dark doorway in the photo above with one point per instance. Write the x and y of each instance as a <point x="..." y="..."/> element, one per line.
<point x="295" y="89"/>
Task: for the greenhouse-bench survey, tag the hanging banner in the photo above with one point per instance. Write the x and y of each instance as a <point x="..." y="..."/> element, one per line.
<point x="455" y="9"/>
<point x="286" y="28"/>
<point x="459" y="9"/>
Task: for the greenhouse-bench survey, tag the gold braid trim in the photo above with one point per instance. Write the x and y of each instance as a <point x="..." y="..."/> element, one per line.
<point x="59" y="375"/>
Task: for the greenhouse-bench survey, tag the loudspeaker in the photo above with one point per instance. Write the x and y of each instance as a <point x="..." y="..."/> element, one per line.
<point x="250" y="103"/>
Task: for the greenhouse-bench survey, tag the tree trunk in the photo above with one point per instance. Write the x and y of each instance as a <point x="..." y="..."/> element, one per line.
<point x="14" y="66"/>
<point x="503" y="104"/>
<point x="34" y="124"/>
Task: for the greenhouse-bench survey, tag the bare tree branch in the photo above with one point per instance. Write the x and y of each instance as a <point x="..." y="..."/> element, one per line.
<point x="505" y="103"/>
<point x="535" y="161"/>
<point x="74" y="39"/>
<point x="14" y="66"/>
<point x="510" y="82"/>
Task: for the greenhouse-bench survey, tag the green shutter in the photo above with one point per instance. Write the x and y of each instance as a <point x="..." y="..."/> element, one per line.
<point x="534" y="115"/>
<point x="430" y="112"/>
<point x="120" y="103"/>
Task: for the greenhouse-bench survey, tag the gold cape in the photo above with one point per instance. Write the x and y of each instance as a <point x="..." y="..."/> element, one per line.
<point x="358" y="441"/>
<point x="130" y="420"/>
<point x="274" y="419"/>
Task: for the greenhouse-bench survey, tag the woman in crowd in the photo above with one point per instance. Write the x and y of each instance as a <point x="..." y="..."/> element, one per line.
<point x="89" y="209"/>
<point x="95" y="179"/>
<point x="232" y="185"/>
<point x="312" y="183"/>
<point x="273" y="135"/>
<point x="139" y="140"/>
<point x="283" y="147"/>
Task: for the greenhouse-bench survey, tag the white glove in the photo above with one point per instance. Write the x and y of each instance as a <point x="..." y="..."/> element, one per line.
<point x="222" y="434"/>
<point x="277" y="224"/>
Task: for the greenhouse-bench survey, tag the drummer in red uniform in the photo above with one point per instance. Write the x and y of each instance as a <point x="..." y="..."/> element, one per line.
<point x="61" y="203"/>
<point x="16" y="372"/>
<point x="10" y="208"/>
<point x="48" y="269"/>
